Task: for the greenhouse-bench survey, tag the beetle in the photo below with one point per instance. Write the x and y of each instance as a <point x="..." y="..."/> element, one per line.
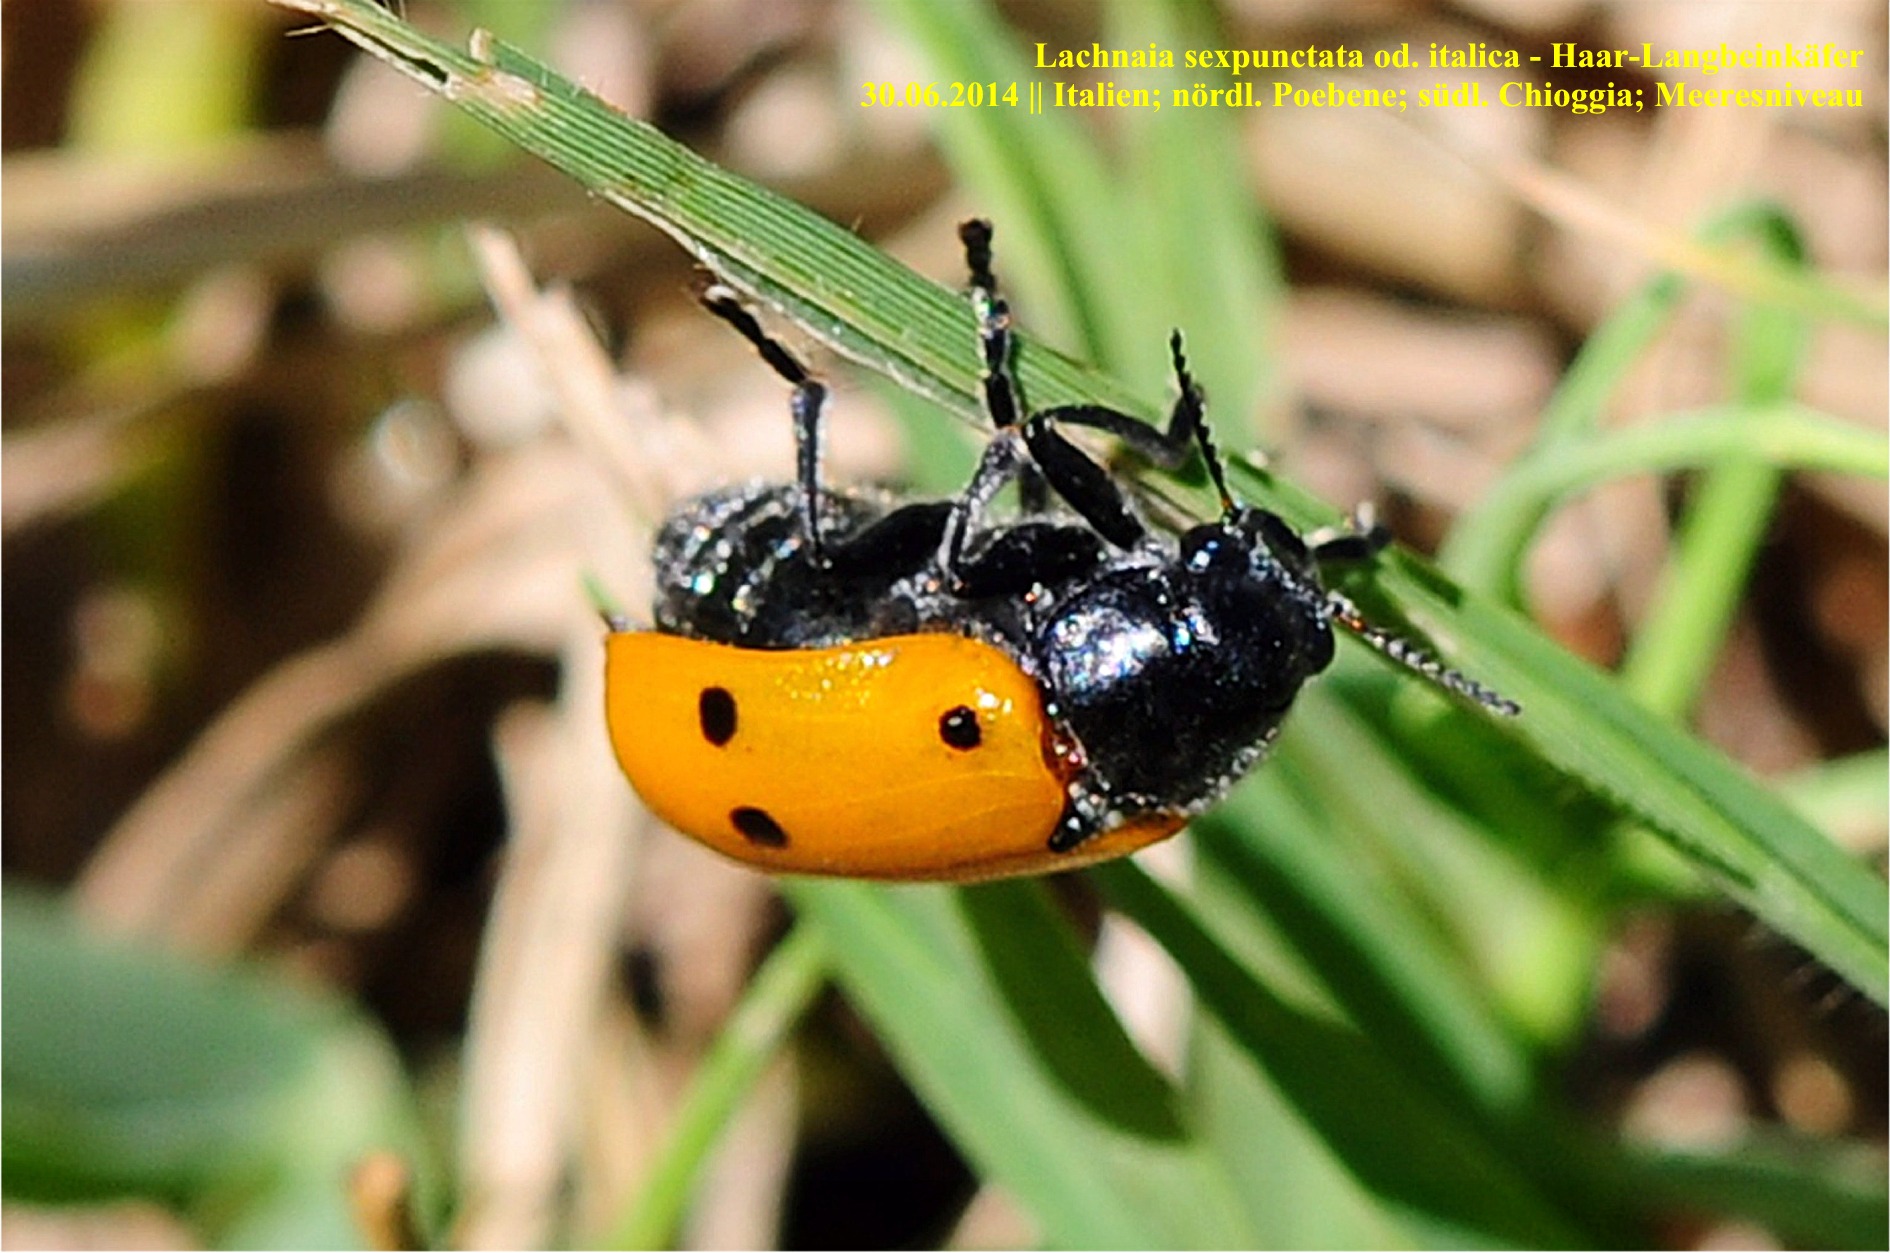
<point x="847" y="682"/>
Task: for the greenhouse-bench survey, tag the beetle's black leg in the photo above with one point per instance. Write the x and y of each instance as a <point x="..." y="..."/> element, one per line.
<point x="1027" y="555"/>
<point x="1286" y="544"/>
<point x="1169" y="448"/>
<point x="1020" y="556"/>
<point x="1088" y="488"/>
<point x="999" y="465"/>
<point x="899" y="544"/>
<point x="1033" y="490"/>
<point x="1353" y="548"/>
<point x="810" y="396"/>
<point x="1069" y="471"/>
<point x="1092" y="491"/>
<point x="1001" y="398"/>
<point x="1071" y="830"/>
<point x="1363" y="539"/>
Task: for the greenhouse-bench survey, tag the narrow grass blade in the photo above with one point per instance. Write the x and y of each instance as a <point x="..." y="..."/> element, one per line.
<point x="1785" y="871"/>
<point x="834" y="285"/>
<point x="773" y="1004"/>
<point x="988" y="1007"/>
<point x="1785" y="436"/>
<point x="1296" y="1186"/>
<point x="1850" y="794"/>
<point x="1486" y="546"/>
<point x="1814" y="1195"/>
<point x="1039" y="175"/>
<point x="1401" y="1139"/>
<point x="1390" y="970"/>
<point x="1208" y="262"/>
<point x="1440" y="810"/>
<point x="1717" y="540"/>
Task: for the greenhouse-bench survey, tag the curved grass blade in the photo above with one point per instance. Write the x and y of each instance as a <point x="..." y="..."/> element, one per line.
<point x="1761" y="853"/>
<point x="1729" y="513"/>
<point x="1402" y="1140"/>
<point x="773" y="1004"/>
<point x="1784" y="436"/>
<point x="987" y="1005"/>
<point x="1486" y="546"/>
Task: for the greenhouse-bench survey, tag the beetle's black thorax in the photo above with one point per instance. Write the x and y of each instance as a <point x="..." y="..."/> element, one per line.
<point x="1175" y="674"/>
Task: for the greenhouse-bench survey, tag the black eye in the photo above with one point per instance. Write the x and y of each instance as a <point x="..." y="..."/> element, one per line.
<point x="715" y="711"/>
<point x="959" y="728"/>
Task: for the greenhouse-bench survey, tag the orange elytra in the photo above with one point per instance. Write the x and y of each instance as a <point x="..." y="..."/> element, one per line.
<point x="909" y="757"/>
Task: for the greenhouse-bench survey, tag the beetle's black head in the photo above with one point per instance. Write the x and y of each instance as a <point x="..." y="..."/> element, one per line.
<point x="1175" y="675"/>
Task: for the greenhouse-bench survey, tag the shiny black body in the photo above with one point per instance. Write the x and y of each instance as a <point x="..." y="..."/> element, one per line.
<point x="1170" y="663"/>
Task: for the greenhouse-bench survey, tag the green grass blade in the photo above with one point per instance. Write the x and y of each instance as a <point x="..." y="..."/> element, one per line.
<point x="1717" y="540"/>
<point x="1485" y="546"/>
<point x="1760" y="852"/>
<point x="834" y="285"/>
<point x="1393" y="973"/>
<point x="1815" y="1195"/>
<point x="1298" y="1189"/>
<point x="1850" y="792"/>
<point x="1040" y="176"/>
<point x="1784" y="436"/>
<point x="1674" y="651"/>
<point x="1443" y="812"/>
<point x="1405" y="1142"/>
<point x="1208" y="264"/>
<point x="234" y="1098"/>
<point x="1581" y="721"/>
<point x="986" y="1004"/>
<point x="774" y="1002"/>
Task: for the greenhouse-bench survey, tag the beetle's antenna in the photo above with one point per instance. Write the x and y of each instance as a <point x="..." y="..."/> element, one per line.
<point x="1415" y="659"/>
<point x="1194" y="407"/>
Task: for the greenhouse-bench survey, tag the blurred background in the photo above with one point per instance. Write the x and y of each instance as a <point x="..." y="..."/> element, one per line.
<point x="301" y="678"/>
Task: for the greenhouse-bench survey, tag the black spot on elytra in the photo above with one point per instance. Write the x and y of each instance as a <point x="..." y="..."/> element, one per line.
<point x="758" y="827"/>
<point x="958" y="727"/>
<point x="715" y="710"/>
